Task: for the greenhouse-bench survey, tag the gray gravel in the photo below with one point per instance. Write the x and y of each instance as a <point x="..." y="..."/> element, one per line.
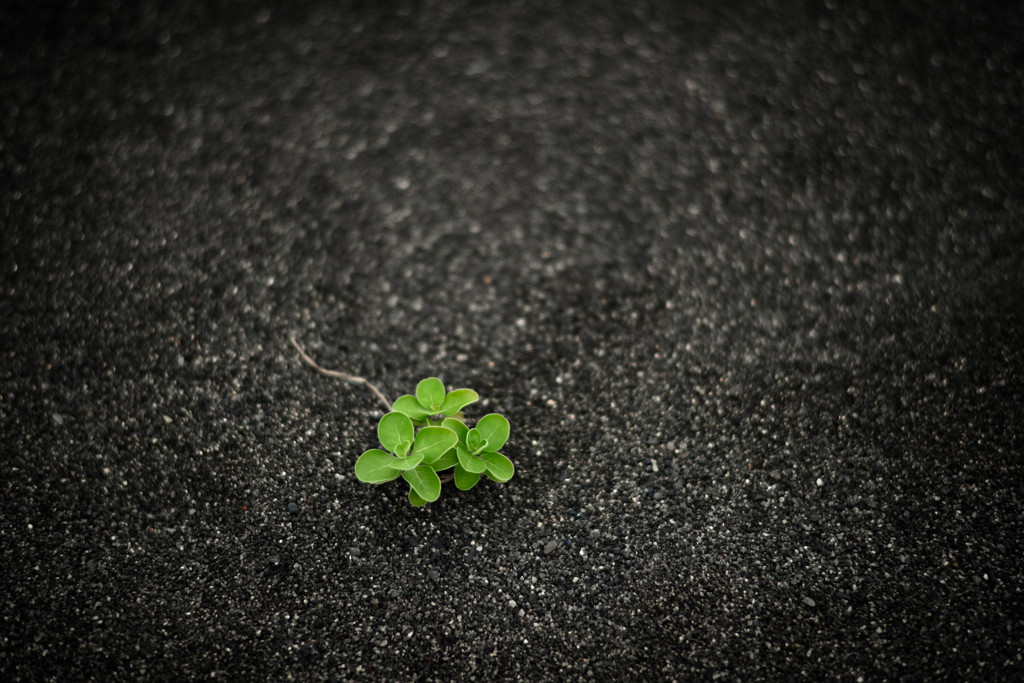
<point x="746" y="278"/>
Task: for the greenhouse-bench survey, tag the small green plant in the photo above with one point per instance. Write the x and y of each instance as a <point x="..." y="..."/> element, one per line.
<point x="426" y="434"/>
<point x="427" y="442"/>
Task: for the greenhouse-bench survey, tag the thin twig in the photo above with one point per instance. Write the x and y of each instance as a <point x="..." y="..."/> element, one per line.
<point x="352" y="379"/>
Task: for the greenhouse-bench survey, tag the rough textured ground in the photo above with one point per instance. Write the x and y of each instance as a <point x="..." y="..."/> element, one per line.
<point x="745" y="277"/>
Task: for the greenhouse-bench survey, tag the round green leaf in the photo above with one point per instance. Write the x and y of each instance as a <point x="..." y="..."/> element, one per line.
<point x="425" y="482"/>
<point x="457" y="426"/>
<point x="499" y="468"/>
<point x="430" y="393"/>
<point x="469" y="462"/>
<point x="494" y="428"/>
<point x="376" y="466"/>
<point x="393" y="429"/>
<point x="433" y="442"/>
<point x="415" y="498"/>
<point x="403" y="464"/>
<point x="465" y="480"/>
<point x="410" y="407"/>
<point x="457" y="400"/>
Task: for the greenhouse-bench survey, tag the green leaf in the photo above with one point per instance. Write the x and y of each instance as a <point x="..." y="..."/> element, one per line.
<point x="410" y="407"/>
<point x="415" y="498"/>
<point x="457" y="400"/>
<point x="475" y="441"/>
<point x="469" y="462"/>
<point x="376" y="466"/>
<point x="408" y="463"/>
<point x="430" y="393"/>
<point x="403" y="449"/>
<point x="457" y="426"/>
<point x="425" y="482"/>
<point x="449" y="459"/>
<point x="499" y="468"/>
<point x="393" y="429"/>
<point x="465" y="480"/>
<point x="433" y="442"/>
<point x="494" y="428"/>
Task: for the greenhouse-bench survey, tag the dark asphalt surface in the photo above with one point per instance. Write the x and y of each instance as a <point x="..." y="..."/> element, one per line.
<point x="746" y="278"/>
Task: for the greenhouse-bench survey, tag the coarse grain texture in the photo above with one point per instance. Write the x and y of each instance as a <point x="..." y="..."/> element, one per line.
<point x="745" y="277"/>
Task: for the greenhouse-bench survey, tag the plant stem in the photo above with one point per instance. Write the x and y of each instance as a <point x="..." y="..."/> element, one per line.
<point x="352" y="379"/>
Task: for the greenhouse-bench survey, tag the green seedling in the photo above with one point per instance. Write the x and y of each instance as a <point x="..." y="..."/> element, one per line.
<point x="477" y="451"/>
<point x="427" y="441"/>
<point x="418" y="448"/>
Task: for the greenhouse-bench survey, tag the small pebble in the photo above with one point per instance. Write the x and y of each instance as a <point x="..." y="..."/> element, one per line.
<point x="433" y="574"/>
<point x="809" y="602"/>
<point x="293" y="508"/>
<point x="550" y="547"/>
